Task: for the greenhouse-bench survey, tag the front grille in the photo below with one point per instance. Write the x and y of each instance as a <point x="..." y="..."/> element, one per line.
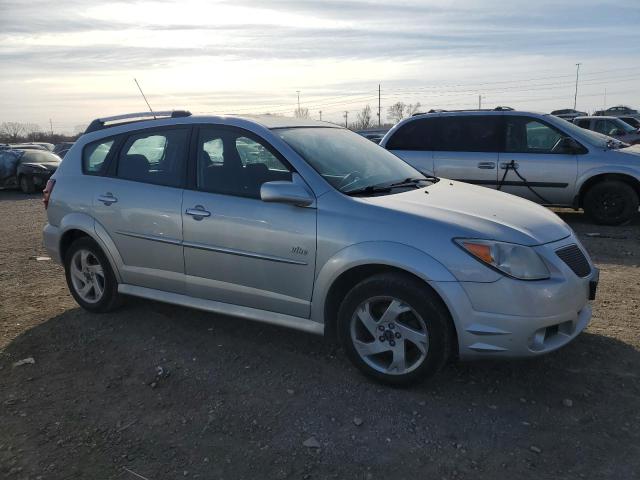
<point x="575" y="260"/>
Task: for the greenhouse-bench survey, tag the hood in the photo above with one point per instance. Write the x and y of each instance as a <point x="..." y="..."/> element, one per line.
<point x="478" y="212"/>
<point x="632" y="150"/>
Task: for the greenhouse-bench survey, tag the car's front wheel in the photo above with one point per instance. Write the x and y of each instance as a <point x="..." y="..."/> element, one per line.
<point x="395" y="329"/>
<point x="89" y="276"/>
<point x="611" y="202"/>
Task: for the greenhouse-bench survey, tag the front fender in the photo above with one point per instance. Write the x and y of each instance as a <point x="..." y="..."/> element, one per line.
<point x="391" y="254"/>
<point x="607" y="170"/>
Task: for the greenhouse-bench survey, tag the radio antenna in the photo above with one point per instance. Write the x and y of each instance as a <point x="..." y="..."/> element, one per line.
<point x="145" y="98"/>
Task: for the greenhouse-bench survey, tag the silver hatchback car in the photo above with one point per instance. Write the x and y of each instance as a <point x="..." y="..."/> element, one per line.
<point x="307" y="225"/>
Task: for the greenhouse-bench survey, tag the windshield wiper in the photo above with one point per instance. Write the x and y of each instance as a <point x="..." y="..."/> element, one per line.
<point x="407" y="182"/>
<point x="368" y="190"/>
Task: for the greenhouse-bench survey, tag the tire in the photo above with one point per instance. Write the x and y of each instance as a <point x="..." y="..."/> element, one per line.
<point x="611" y="202"/>
<point x="391" y="316"/>
<point x="94" y="273"/>
<point x="26" y="184"/>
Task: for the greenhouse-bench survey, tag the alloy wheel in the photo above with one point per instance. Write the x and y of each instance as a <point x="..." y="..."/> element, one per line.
<point x="389" y="335"/>
<point x="87" y="276"/>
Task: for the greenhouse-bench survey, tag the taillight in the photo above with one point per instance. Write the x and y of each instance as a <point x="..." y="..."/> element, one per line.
<point x="46" y="193"/>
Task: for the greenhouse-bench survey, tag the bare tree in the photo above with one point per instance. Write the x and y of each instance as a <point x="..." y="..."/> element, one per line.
<point x="412" y="108"/>
<point x="301" y="112"/>
<point x="32" y="131"/>
<point x="12" y="130"/>
<point x="396" y="111"/>
<point x="363" y="119"/>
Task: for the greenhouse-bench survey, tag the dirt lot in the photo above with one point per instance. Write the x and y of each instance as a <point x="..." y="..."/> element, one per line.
<point x="234" y="399"/>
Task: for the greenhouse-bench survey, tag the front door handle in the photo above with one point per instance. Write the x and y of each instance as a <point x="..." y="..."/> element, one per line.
<point x="107" y="198"/>
<point x="198" y="212"/>
<point x="487" y="165"/>
<point x="505" y="165"/>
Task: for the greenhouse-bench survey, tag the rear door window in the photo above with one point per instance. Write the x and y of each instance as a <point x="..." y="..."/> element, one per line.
<point x="473" y="133"/>
<point x="414" y="135"/>
<point x="155" y="156"/>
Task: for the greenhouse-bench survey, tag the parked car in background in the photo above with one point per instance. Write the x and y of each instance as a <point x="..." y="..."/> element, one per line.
<point x="633" y="121"/>
<point x="610" y="126"/>
<point x="27" y="169"/>
<point x="374" y="135"/>
<point x="62" y="146"/>
<point x="533" y="155"/>
<point x="617" y="111"/>
<point x="568" y="113"/>
<point x="27" y="146"/>
<point x="310" y="226"/>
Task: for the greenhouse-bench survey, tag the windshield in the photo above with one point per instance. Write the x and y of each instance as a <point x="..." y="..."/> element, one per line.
<point x="348" y="161"/>
<point x="594" y="138"/>
<point x="624" y="126"/>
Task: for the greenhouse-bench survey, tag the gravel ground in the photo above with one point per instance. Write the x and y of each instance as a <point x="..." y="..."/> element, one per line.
<point x="160" y="392"/>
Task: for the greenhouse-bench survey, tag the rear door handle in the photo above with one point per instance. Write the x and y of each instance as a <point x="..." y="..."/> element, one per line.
<point x="107" y="198"/>
<point x="505" y="165"/>
<point x="198" y="212"/>
<point x="487" y="165"/>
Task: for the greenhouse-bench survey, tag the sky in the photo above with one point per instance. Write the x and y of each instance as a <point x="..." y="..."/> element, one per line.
<point x="69" y="61"/>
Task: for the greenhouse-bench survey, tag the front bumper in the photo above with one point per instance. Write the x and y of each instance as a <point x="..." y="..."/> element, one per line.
<point x="514" y="318"/>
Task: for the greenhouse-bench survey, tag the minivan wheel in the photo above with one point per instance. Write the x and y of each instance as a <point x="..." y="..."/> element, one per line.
<point x="26" y="184"/>
<point x="611" y="202"/>
<point x="394" y="329"/>
<point x="90" y="278"/>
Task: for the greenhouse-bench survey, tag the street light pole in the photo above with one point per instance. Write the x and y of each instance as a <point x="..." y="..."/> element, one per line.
<point x="575" y="97"/>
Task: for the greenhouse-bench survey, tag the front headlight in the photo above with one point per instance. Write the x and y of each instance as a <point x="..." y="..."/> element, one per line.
<point x="514" y="260"/>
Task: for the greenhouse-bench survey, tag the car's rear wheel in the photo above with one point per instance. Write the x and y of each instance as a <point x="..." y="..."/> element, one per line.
<point x="90" y="278"/>
<point x="611" y="202"/>
<point x="394" y="329"/>
<point x="26" y="184"/>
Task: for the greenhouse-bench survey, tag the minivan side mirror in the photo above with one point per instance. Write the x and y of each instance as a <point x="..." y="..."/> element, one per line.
<point x="292" y="193"/>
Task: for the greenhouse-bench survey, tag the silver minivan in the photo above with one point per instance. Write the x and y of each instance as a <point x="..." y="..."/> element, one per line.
<point x="536" y="156"/>
<point x="310" y="226"/>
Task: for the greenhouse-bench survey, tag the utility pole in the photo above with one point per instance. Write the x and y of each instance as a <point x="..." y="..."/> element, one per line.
<point x="479" y="102"/>
<point x="51" y="127"/>
<point x="320" y="112"/>
<point x="379" y="107"/>
<point x="346" y="119"/>
<point x="298" y="92"/>
<point x="605" y="98"/>
<point x="575" y="97"/>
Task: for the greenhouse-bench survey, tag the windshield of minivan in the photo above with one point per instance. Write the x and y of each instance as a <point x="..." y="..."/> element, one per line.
<point x="595" y="138"/>
<point x="350" y="162"/>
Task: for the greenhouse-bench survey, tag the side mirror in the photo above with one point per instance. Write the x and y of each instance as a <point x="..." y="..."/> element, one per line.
<point x="292" y="193"/>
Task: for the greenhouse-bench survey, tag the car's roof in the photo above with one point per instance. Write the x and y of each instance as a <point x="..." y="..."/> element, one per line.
<point x="597" y="117"/>
<point x="277" y="121"/>
<point x="475" y="112"/>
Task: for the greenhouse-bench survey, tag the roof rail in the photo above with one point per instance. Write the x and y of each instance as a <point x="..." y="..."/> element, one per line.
<point x="440" y="110"/>
<point x="101" y="123"/>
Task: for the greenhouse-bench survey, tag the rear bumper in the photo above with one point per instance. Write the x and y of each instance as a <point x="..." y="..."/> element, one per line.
<point x="51" y="241"/>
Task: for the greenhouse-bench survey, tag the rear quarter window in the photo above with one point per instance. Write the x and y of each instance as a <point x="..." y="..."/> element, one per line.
<point x="94" y="156"/>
